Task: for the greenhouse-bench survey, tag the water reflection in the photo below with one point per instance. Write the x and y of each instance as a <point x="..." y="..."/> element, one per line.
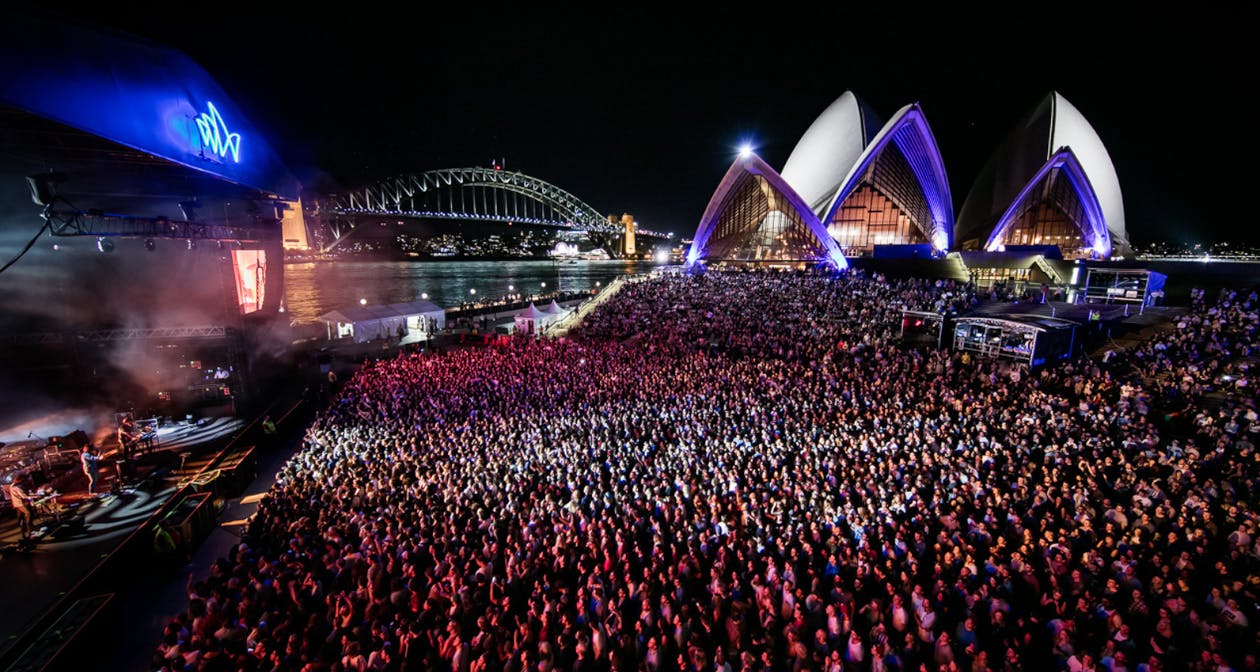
<point x="312" y="289"/>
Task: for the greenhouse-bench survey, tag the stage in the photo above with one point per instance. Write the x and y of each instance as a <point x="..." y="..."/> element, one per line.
<point x="73" y="530"/>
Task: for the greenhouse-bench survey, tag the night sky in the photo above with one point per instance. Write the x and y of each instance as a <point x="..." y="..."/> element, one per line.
<point x="634" y="109"/>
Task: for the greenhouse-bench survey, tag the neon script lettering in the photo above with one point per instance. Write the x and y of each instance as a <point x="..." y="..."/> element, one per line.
<point x="216" y="137"/>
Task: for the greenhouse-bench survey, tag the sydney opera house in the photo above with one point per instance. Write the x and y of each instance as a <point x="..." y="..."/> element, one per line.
<point x="858" y="187"/>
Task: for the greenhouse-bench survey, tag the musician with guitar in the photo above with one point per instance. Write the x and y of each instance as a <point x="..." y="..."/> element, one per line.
<point x="21" y="501"/>
<point x="91" y="467"/>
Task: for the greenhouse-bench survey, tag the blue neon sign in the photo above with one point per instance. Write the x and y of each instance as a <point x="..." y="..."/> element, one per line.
<point x="215" y="135"/>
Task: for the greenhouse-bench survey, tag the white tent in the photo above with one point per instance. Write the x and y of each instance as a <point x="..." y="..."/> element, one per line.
<point x="369" y="323"/>
<point x="556" y="309"/>
<point x="533" y="321"/>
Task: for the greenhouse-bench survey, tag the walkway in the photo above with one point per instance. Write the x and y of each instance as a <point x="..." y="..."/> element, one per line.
<point x="562" y="328"/>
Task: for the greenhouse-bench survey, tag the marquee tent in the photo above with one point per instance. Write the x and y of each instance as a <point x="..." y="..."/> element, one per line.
<point x="369" y="323"/>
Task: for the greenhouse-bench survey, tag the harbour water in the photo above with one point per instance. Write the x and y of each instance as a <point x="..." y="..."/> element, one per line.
<point x="312" y="289"/>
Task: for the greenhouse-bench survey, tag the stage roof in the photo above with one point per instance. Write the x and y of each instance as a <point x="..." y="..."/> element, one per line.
<point x="138" y="103"/>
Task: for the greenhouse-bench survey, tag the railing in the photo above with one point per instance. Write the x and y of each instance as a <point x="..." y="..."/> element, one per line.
<point x="573" y="319"/>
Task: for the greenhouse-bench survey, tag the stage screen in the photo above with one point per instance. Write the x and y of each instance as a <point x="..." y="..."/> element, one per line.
<point x="250" y="268"/>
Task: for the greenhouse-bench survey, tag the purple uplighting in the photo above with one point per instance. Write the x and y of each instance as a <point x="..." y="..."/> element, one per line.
<point x="753" y="164"/>
<point x="913" y="137"/>
<point x="1096" y="236"/>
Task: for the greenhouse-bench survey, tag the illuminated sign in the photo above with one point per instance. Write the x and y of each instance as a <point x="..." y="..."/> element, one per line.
<point x="215" y="135"/>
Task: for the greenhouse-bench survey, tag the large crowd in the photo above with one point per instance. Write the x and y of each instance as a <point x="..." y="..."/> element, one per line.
<point x="748" y="471"/>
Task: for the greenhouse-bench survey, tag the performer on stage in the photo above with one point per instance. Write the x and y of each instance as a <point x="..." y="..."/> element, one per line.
<point x="91" y="467"/>
<point x="21" y="502"/>
<point x="127" y="436"/>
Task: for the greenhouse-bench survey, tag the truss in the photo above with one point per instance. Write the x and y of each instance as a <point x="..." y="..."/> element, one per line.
<point x="100" y="224"/>
<point x="114" y="335"/>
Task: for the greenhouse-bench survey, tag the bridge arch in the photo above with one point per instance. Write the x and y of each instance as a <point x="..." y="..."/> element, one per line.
<point x="482" y="194"/>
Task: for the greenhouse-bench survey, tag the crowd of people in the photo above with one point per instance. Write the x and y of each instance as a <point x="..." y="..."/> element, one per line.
<point x="748" y="471"/>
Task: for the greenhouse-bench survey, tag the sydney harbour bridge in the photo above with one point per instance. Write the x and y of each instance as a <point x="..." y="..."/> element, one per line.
<point x="466" y="194"/>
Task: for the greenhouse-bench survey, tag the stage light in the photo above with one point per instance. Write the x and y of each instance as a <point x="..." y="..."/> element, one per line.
<point x="473" y="291"/>
<point x="362" y="302"/>
<point x="424" y="295"/>
<point x="149" y="244"/>
<point x="745" y="150"/>
<point x="104" y="244"/>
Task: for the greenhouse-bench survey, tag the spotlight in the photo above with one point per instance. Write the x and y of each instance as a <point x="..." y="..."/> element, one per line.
<point x="745" y="150"/>
<point x="149" y="244"/>
<point x="104" y="244"/>
<point x="44" y="187"/>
